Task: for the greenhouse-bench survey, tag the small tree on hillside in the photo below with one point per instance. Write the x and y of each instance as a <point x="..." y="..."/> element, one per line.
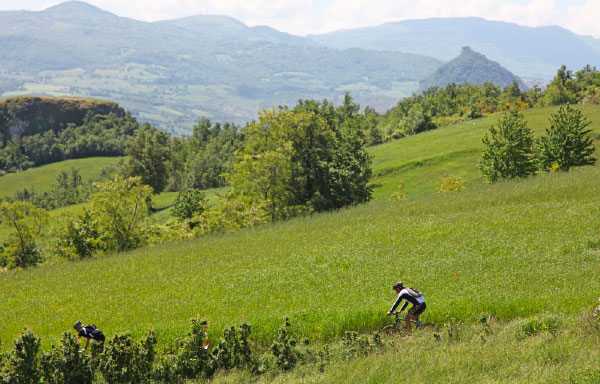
<point x="149" y="156"/>
<point x="509" y="151"/>
<point x="120" y="208"/>
<point x="567" y="142"/>
<point x="20" y="250"/>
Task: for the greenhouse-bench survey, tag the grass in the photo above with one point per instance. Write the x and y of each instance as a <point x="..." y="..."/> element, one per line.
<point x="511" y="250"/>
<point x="41" y="179"/>
<point x="473" y="353"/>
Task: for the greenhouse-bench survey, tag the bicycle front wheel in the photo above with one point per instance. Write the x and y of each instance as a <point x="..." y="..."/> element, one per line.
<point x="391" y="330"/>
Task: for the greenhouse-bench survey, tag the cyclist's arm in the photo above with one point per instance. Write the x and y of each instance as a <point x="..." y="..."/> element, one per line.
<point x="404" y="306"/>
<point x="396" y="303"/>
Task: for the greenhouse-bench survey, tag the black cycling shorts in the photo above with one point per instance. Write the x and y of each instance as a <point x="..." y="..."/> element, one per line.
<point x="418" y="309"/>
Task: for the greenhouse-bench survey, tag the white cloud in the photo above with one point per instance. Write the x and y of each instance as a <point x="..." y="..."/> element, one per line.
<point x="584" y="19"/>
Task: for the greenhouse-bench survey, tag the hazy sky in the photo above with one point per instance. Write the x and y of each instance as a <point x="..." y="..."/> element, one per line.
<point x="303" y="17"/>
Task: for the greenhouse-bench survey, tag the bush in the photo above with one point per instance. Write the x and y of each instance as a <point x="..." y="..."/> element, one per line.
<point x="125" y="361"/>
<point x="189" y="203"/>
<point x="65" y="364"/>
<point x="537" y="325"/>
<point x="193" y="358"/>
<point x="284" y="349"/>
<point x="234" y="350"/>
<point x="22" y="367"/>
<point x="451" y="184"/>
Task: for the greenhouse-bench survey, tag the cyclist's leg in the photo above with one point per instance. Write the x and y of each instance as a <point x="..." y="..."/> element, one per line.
<point x="419" y="310"/>
<point x="408" y="319"/>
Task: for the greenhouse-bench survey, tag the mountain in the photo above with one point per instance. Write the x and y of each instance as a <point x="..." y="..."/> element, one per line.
<point x="172" y="73"/>
<point x="470" y="67"/>
<point x="526" y="51"/>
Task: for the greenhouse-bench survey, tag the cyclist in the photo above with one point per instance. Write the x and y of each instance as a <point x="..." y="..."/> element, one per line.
<point x="89" y="332"/>
<point x="412" y="296"/>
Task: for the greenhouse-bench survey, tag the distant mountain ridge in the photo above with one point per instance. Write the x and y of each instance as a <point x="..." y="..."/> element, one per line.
<point x="535" y="52"/>
<point x="471" y="67"/>
<point x="172" y="73"/>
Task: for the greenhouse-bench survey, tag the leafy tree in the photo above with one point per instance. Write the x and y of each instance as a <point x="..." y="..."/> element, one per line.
<point x="20" y="250"/>
<point x="149" y="156"/>
<point x="120" y="207"/>
<point x="76" y="236"/>
<point x="23" y="367"/>
<point x="509" y="150"/>
<point x="567" y="142"/>
<point x="189" y="203"/>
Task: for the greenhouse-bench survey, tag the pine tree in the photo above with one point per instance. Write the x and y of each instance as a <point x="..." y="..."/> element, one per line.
<point x="509" y="150"/>
<point x="567" y="142"/>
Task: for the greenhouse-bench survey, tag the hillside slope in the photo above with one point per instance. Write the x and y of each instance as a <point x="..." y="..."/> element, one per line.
<point x="331" y="272"/>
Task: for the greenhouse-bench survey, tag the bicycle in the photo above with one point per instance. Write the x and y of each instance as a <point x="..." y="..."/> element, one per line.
<point x="399" y="327"/>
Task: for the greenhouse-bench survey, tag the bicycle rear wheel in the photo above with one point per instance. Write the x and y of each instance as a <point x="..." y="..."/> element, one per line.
<point x="430" y="327"/>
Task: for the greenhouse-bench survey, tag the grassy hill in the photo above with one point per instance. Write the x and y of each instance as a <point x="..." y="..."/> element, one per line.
<point x="42" y="178"/>
<point x="510" y="251"/>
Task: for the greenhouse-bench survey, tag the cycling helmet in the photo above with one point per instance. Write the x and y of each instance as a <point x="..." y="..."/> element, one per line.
<point x="77" y="324"/>
<point x="398" y="284"/>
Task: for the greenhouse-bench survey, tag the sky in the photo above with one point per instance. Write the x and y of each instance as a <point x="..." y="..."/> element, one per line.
<point x="302" y="17"/>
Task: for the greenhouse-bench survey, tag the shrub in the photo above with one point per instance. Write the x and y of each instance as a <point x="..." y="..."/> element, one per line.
<point x="189" y="203"/>
<point x="65" y="364"/>
<point x="193" y="359"/>
<point x="22" y="367"/>
<point x="125" y="361"/>
<point x="20" y="250"/>
<point x="284" y="349"/>
<point x="451" y="184"/>
<point x="76" y="236"/>
<point x="400" y="193"/>
<point x="233" y="351"/>
<point x="537" y="325"/>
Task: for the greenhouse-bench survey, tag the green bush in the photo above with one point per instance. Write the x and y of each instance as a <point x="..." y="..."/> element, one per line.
<point x="451" y="184"/>
<point x="22" y="365"/>
<point x="65" y="364"/>
<point x="537" y="325"/>
<point x="233" y="350"/>
<point x="189" y="203"/>
<point x="284" y="349"/>
<point x="193" y="359"/>
<point x="125" y="361"/>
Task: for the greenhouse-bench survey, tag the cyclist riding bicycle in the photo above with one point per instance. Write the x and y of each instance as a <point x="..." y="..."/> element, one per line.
<point x="412" y="296"/>
<point x="89" y="332"/>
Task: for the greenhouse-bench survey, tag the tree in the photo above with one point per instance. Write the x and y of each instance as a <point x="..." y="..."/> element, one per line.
<point x="20" y="250"/>
<point x="120" y="208"/>
<point x="567" y="142"/>
<point x="509" y="151"/>
<point x="189" y="203"/>
<point x="149" y="156"/>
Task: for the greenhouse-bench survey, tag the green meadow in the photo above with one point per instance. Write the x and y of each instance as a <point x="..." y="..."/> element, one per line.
<point x="41" y="179"/>
<point x="510" y="250"/>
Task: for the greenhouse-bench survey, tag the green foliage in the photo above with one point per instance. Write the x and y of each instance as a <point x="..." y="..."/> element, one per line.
<point x="149" y="156"/>
<point x="189" y="203"/>
<point x="20" y="250"/>
<point x="120" y="208"/>
<point x="509" y="151"/>
<point x="76" y="236"/>
<point x="210" y="152"/>
<point x="400" y="193"/>
<point x="65" y="365"/>
<point x="450" y="184"/>
<point x="311" y="156"/>
<point x="567" y="142"/>
<point x="193" y="359"/>
<point x="284" y="349"/>
<point x="126" y="361"/>
<point x="234" y="350"/>
<point x="538" y="324"/>
<point x="97" y="135"/>
<point x="22" y="365"/>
